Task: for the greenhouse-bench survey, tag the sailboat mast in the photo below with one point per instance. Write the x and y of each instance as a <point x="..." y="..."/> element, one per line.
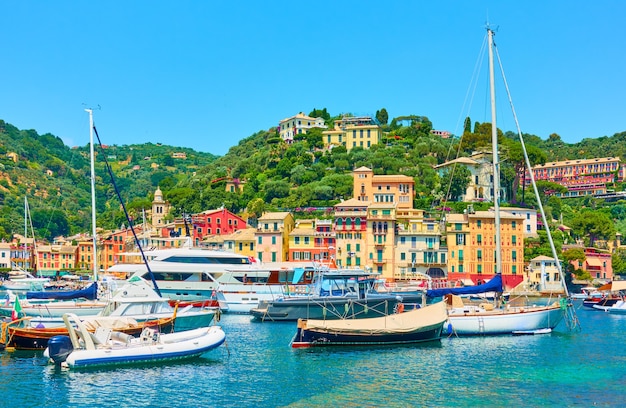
<point x="93" y="194"/>
<point x="496" y="161"/>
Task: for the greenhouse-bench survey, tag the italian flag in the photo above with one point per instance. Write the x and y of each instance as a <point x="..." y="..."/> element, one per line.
<point x="17" y="309"/>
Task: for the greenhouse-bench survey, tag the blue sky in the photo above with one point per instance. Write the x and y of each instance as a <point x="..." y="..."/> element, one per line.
<point x="206" y="74"/>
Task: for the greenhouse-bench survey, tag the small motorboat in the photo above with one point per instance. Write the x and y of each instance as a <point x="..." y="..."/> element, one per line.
<point x="414" y="326"/>
<point x="105" y="347"/>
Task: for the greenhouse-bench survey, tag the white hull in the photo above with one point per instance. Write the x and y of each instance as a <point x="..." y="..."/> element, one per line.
<point x="618" y="308"/>
<point x="107" y="348"/>
<point x="241" y="298"/>
<point x="503" y="321"/>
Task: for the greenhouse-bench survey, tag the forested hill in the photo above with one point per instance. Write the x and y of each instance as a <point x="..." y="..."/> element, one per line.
<point x="274" y="175"/>
<point x="55" y="179"/>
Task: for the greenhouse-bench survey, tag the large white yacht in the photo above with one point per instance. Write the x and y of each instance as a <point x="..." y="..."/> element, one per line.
<point x="192" y="273"/>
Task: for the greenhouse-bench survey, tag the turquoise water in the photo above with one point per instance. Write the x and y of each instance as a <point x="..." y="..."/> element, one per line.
<point x="257" y="368"/>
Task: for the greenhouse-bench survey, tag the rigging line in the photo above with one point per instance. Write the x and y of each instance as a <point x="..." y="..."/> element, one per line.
<point x="473" y="85"/>
<point x="533" y="183"/>
<point x="119" y="196"/>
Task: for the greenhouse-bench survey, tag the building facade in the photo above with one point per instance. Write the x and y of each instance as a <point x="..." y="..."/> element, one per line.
<point x="581" y="177"/>
<point x="272" y="236"/>
<point x="368" y="187"/>
<point x="350" y="226"/>
<point x="472" y="247"/>
<point x="296" y="125"/>
<point x="353" y="131"/>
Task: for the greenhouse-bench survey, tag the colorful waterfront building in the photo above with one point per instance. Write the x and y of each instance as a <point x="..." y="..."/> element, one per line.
<point x="312" y="240"/>
<point x="22" y="253"/>
<point x="53" y="260"/>
<point x="419" y="253"/>
<point x="353" y="131"/>
<point x="297" y="125"/>
<point x="241" y="242"/>
<point x="272" y="236"/>
<point x="368" y="187"/>
<point x="113" y="245"/>
<point x="471" y="247"/>
<point x="543" y="275"/>
<point x="350" y="226"/>
<point x="85" y="256"/>
<point x="381" y="239"/>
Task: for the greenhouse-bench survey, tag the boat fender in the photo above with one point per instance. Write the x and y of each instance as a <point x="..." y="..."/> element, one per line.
<point x="121" y="337"/>
<point x="450" y="330"/>
<point x="399" y="307"/>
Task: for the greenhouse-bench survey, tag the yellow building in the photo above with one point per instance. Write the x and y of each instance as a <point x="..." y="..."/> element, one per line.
<point x="353" y="131"/>
<point x="302" y="241"/>
<point x="241" y="242"/>
<point x="418" y="247"/>
<point x="272" y="236"/>
<point x="351" y="233"/>
<point x="85" y="256"/>
<point x="472" y="247"/>
<point x="381" y="238"/>
<point x="383" y="188"/>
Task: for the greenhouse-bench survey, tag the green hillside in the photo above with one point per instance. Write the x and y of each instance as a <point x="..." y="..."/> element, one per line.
<point x="301" y="177"/>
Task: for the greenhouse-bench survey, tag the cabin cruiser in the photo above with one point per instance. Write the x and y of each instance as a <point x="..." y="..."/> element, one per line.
<point x="336" y="294"/>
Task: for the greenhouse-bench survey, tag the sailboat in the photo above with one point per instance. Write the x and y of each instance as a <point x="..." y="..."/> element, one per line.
<point x="501" y="318"/>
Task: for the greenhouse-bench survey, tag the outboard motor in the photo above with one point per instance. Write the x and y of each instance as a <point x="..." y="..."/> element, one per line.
<point x="59" y="347"/>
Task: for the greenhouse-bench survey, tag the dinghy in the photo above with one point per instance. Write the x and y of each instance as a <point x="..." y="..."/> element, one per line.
<point x="82" y="349"/>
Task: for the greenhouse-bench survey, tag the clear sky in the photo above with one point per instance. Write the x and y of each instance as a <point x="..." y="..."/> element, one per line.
<point x="206" y="74"/>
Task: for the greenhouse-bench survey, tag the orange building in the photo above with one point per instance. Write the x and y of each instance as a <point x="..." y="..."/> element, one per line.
<point x="472" y="247"/>
<point x="397" y="189"/>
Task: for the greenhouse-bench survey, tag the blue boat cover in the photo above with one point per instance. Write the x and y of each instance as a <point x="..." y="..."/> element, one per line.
<point x="494" y="285"/>
<point x="90" y="292"/>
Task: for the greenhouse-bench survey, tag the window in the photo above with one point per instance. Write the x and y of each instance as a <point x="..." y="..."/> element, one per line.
<point x="297" y="240"/>
<point x="479" y="239"/>
<point x="479" y="255"/>
<point x="514" y="256"/>
<point x="458" y="227"/>
<point x="460" y="239"/>
<point x="479" y="223"/>
<point x="514" y="240"/>
<point x="460" y="256"/>
<point x="273" y="240"/>
<point x="260" y="240"/>
<point x="514" y="224"/>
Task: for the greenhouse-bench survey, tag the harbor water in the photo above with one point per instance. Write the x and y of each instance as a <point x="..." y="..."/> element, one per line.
<point x="258" y="368"/>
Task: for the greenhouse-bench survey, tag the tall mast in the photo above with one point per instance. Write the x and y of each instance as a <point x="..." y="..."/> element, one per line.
<point x="93" y="195"/>
<point x="496" y="162"/>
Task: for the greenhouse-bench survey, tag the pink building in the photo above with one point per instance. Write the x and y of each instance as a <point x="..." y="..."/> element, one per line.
<point x="597" y="262"/>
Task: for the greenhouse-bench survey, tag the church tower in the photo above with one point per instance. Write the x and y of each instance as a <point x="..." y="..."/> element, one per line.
<point x="159" y="209"/>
